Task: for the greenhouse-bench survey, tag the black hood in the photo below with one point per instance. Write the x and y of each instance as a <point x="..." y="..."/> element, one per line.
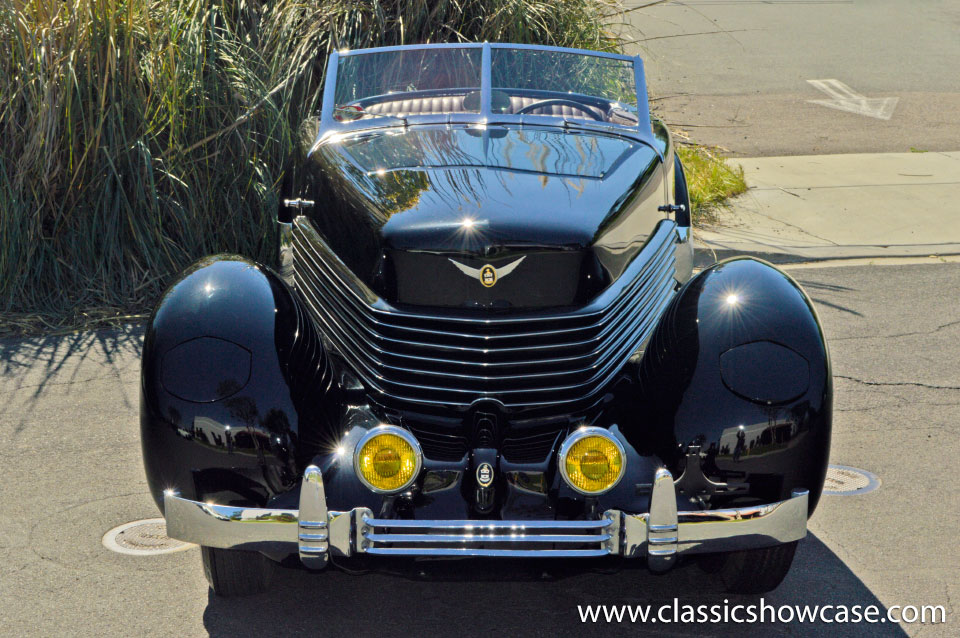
<point x="492" y="218"/>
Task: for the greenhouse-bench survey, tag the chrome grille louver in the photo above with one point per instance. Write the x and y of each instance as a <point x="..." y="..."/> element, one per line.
<point x="522" y="360"/>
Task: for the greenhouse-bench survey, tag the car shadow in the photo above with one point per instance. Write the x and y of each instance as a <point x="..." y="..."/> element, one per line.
<point x="30" y="366"/>
<point x="463" y="598"/>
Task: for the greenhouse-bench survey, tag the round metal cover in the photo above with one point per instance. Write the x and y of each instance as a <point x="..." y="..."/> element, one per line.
<point x="142" y="538"/>
<point x="849" y="480"/>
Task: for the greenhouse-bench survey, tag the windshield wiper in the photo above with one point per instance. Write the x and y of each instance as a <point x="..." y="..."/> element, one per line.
<point x="590" y="125"/>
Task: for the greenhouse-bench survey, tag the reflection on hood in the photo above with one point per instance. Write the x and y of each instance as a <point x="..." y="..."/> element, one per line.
<point x="546" y="152"/>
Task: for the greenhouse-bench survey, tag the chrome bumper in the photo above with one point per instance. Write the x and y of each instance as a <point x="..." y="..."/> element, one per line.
<point x="315" y="532"/>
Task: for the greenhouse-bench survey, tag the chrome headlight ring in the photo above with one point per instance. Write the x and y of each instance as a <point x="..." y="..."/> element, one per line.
<point x="396" y="431"/>
<point x="580" y="434"/>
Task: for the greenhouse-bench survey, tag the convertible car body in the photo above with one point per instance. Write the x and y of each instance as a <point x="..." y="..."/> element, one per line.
<point x="484" y="338"/>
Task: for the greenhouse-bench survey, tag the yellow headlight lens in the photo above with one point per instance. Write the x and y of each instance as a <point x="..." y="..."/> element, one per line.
<point x="593" y="464"/>
<point x="387" y="462"/>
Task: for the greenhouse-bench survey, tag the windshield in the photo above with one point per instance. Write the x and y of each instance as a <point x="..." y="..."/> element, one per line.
<point x="532" y="72"/>
<point x="377" y="84"/>
<point x="410" y="82"/>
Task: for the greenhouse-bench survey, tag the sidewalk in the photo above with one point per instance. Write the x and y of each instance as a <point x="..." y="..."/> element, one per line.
<point x="841" y="207"/>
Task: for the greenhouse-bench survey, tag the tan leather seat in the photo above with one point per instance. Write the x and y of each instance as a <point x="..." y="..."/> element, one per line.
<point x="419" y="106"/>
<point x="454" y="104"/>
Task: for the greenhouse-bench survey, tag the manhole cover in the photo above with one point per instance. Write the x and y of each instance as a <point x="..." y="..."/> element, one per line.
<point x="142" y="538"/>
<point x="849" y="480"/>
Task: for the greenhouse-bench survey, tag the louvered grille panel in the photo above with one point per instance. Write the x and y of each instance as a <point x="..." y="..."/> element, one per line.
<point x="529" y="449"/>
<point x="522" y="361"/>
<point x="440" y="447"/>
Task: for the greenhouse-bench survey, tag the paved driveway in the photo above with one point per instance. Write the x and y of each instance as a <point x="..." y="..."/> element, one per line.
<point x="70" y="469"/>
<point x="735" y="72"/>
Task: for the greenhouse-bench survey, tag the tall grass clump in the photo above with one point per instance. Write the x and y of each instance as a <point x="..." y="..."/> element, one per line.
<point x="139" y="135"/>
<point x="711" y="179"/>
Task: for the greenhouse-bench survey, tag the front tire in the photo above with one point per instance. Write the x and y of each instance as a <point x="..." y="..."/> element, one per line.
<point x="751" y="571"/>
<point x="233" y="572"/>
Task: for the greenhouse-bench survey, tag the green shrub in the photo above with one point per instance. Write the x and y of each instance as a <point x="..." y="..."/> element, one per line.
<point x="140" y="135"/>
<point x="711" y="181"/>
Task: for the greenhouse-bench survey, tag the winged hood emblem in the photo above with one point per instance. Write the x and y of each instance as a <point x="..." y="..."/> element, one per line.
<point x="487" y="274"/>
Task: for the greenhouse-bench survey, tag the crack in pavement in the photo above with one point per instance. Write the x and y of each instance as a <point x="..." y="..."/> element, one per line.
<point x="758" y="206"/>
<point x="897" y="406"/>
<point x="756" y="211"/>
<point x="813" y="188"/>
<point x="904" y="334"/>
<point x="897" y="383"/>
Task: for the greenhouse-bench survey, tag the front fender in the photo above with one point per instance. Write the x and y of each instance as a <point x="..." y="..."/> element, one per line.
<point x="236" y="390"/>
<point x="737" y="373"/>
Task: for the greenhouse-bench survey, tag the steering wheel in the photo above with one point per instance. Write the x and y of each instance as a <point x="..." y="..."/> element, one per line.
<point x="559" y="102"/>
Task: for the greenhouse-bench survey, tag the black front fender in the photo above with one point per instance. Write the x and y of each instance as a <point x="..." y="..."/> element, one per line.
<point x="737" y="373"/>
<point x="236" y="390"/>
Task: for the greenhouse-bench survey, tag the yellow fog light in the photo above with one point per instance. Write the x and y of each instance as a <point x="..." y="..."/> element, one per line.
<point x="592" y="460"/>
<point x="388" y="459"/>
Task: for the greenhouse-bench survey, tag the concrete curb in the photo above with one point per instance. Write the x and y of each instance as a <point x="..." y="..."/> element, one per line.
<point x="708" y="253"/>
<point x="817" y="207"/>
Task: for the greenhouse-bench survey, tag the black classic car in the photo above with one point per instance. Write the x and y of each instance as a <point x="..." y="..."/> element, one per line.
<point x="484" y="338"/>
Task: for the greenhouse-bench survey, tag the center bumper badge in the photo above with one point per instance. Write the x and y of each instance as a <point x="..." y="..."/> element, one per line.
<point x="484" y="475"/>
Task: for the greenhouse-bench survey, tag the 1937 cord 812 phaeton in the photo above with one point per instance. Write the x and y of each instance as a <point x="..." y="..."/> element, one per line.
<point x="484" y="338"/>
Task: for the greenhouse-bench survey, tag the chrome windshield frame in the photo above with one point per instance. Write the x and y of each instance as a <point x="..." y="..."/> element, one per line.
<point x="486" y="117"/>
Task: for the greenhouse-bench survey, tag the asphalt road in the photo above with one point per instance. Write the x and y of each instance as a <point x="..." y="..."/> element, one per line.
<point x="70" y="469"/>
<point x="735" y="73"/>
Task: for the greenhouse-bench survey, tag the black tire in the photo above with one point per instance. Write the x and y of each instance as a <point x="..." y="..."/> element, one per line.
<point x="752" y="571"/>
<point x="236" y="573"/>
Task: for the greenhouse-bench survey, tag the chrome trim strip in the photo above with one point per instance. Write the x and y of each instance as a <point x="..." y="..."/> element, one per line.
<point x="643" y="104"/>
<point x="541" y="47"/>
<point x="327" y="123"/>
<point x="313" y="537"/>
<point x="477" y="45"/>
<point x="411" y="47"/>
<point x="486" y="85"/>
<point x="502" y="553"/>
<point x="485" y="538"/>
<point x="504" y="169"/>
<point x="487" y="525"/>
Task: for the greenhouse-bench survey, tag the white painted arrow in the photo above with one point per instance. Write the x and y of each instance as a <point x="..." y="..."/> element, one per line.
<point x="846" y="99"/>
